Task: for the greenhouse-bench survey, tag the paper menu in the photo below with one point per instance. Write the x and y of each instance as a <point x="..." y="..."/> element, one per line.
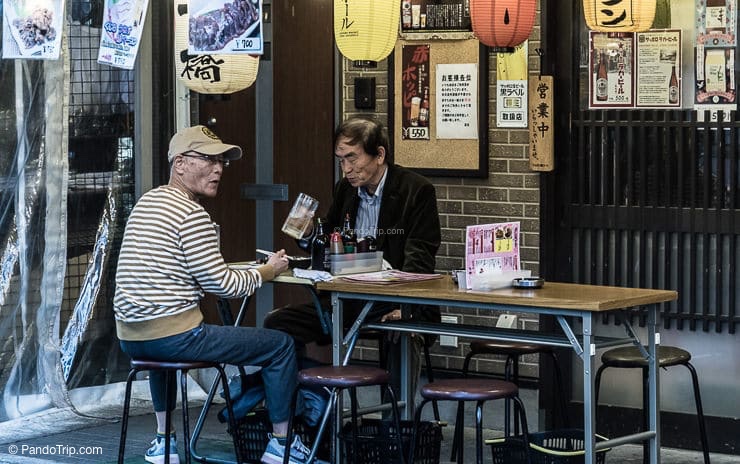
<point x="491" y="249"/>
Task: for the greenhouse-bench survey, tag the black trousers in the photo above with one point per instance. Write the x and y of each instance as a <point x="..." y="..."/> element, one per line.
<point x="302" y="323"/>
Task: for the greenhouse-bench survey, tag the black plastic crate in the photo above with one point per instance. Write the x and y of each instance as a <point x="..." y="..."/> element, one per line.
<point x="553" y="447"/>
<point x="251" y="435"/>
<point x="377" y="443"/>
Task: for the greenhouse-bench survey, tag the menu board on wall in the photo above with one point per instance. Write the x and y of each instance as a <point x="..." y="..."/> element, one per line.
<point x="635" y="70"/>
<point x="415" y="92"/>
<point x="658" y="69"/>
<point x="611" y="60"/>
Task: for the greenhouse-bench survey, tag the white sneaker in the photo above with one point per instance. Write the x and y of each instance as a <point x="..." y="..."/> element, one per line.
<point x="155" y="454"/>
<point x="275" y="451"/>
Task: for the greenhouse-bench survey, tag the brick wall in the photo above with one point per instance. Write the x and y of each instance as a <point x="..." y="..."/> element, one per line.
<point x="509" y="193"/>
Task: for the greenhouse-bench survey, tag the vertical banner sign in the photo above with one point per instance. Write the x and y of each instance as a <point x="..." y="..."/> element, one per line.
<point x="540" y="125"/>
<point x="511" y="87"/>
<point x="123" y="22"/>
<point x="415" y="92"/>
<point x="32" y="29"/>
<point x="225" y="26"/>
<point x="457" y="94"/>
<point x="611" y="63"/>
<point x="715" y="57"/>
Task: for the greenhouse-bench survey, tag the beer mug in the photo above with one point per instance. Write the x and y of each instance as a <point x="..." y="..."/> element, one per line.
<point x="301" y="215"/>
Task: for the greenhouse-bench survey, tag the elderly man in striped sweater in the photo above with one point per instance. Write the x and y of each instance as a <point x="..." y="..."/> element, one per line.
<point x="169" y="258"/>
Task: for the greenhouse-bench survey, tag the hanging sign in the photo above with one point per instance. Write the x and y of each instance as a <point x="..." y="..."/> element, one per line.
<point x="715" y="58"/>
<point x="540" y="125"/>
<point x="415" y="92"/>
<point x="225" y="26"/>
<point x="32" y="28"/>
<point x="123" y="22"/>
<point x="511" y="87"/>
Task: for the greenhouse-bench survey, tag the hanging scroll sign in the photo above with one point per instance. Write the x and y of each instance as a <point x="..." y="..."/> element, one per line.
<point x="541" y="124"/>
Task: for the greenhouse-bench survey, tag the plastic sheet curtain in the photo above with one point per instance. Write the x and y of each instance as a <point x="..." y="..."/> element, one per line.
<point x="32" y="235"/>
<point x="66" y="187"/>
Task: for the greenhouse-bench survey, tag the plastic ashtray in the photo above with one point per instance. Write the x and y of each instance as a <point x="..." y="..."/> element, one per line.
<point x="528" y="282"/>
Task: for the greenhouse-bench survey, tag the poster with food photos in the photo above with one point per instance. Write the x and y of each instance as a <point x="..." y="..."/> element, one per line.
<point x="123" y="23"/>
<point x="491" y="249"/>
<point x="32" y="29"/>
<point x="225" y="26"/>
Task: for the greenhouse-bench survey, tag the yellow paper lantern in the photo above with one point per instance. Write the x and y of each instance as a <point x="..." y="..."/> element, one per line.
<point x="619" y="16"/>
<point x="366" y="30"/>
<point x="210" y="74"/>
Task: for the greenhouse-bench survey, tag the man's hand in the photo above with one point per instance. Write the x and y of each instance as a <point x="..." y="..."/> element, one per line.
<point x="279" y="262"/>
<point x="394" y="315"/>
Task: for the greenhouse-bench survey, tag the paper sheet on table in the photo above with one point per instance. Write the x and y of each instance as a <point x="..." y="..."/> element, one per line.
<point x="316" y="276"/>
<point x="492" y="281"/>
<point x="390" y="277"/>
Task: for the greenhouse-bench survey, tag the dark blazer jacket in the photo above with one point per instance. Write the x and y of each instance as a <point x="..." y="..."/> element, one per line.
<point x="408" y="223"/>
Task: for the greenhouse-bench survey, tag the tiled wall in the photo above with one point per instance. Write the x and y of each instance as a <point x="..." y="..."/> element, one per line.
<point x="509" y="193"/>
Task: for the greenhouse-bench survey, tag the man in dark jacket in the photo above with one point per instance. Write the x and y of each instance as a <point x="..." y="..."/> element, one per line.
<point x="397" y="207"/>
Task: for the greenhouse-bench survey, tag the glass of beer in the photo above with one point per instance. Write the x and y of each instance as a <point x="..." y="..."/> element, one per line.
<point x="301" y="215"/>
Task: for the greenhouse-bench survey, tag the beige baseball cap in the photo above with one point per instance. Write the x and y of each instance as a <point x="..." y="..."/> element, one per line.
<point x="201" y="139"/>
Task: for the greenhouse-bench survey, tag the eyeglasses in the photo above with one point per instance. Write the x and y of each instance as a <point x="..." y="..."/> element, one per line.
<point x="209" y="159"/>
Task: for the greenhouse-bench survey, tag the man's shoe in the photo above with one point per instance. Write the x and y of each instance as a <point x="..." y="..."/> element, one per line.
<point x="155" y="454"/>
<point x="275" y="451"/>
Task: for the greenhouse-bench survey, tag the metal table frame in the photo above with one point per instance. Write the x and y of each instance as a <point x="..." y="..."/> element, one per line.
<point x="584" y="345"/>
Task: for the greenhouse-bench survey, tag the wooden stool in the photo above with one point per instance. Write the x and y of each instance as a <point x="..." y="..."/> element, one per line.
<point x="513" y="351"/>
<point x="172" y="367"/>
<point x="630" y="357"/>
<point x="337" y="378"/>
<point x="480" y="391"/>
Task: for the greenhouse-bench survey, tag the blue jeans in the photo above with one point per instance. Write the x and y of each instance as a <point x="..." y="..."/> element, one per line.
<point x="241" y="346"/>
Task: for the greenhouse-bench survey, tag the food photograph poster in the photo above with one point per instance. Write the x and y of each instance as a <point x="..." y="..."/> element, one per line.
<point x="123" y="23"/>
<point x="32" y="29"/>
<point x="225" y="26"/>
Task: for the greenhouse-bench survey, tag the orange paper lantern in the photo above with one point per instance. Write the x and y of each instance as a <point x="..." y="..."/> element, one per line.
<point x="503" y="24"/>
<point x="619" y="16"/>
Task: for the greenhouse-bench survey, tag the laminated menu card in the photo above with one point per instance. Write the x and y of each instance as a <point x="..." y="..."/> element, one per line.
<point x="490" y="250"/>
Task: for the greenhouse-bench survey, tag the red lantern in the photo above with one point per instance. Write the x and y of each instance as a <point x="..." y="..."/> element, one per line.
<point x="503" y="24"/>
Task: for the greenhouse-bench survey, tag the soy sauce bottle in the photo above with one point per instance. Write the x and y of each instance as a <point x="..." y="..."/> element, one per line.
<point x="319" y="247"/>
<point x="349" y="239"/>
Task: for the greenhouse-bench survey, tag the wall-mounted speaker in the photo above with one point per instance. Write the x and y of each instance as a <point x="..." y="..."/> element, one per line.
<point x="365" y="93"/>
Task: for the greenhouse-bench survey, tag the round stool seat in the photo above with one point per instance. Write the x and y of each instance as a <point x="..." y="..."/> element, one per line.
<point x="507" y="348"/>
<point x="630" y="356"/>
<point x="343" y="376"/>
<point x="150" y="364"/>
<point x="469" y="390"/>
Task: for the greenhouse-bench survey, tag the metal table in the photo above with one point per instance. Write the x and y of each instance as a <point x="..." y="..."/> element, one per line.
<point x="567" y="302"/>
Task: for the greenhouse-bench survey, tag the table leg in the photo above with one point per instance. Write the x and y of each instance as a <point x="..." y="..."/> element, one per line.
<point x="589" y="408"/>
<point x="653" y="381"/>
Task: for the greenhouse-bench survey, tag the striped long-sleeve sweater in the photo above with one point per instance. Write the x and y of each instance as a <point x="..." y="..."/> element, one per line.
<point x="169" y="258"/>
